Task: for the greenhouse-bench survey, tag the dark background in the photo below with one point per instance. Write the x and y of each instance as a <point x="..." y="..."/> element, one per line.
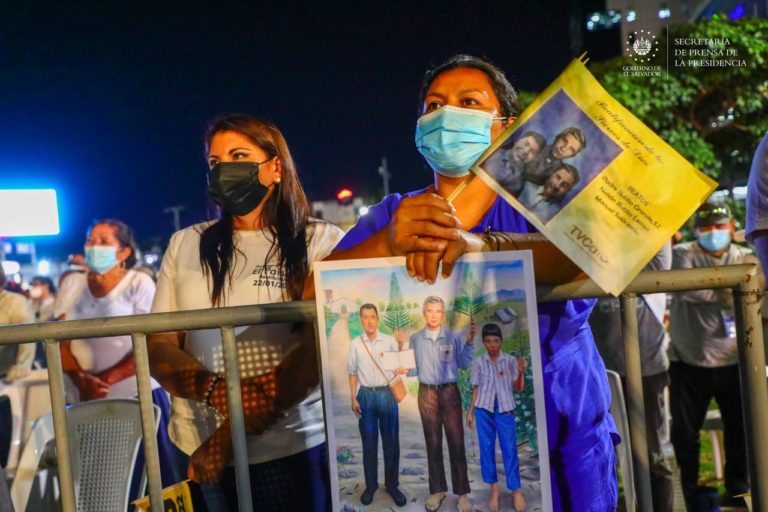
<point x="108" y="103"/>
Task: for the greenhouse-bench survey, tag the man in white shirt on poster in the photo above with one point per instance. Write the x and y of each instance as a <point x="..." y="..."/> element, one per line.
<point x="374" y="405"/>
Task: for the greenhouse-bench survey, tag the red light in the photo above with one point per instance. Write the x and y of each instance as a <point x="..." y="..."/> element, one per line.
<point x="343" y="194"/>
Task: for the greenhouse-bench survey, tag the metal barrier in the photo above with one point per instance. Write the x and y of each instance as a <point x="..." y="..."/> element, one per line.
<point x="741" y="278"/>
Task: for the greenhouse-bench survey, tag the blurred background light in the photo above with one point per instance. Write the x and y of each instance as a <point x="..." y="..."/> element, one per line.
<point x="11" y="267"/>
<point x="28" y="212"/>
<point x="43" y="267"/>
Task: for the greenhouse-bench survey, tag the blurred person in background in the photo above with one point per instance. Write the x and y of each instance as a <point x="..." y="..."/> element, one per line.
<point x="105" y="367"/>
<point x="42" y="295"/>
<point x="259" y="251"/>
<point x="606" y="327"/>
<point x="146" y="269"/>
<point x="756" y="230"/>
<point x="70" y="286"/>
<point x="704" y="358"/>
<point x="15" y="360"/>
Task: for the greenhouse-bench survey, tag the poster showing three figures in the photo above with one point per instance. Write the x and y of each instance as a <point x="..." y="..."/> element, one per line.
<point x="433" y="392"/>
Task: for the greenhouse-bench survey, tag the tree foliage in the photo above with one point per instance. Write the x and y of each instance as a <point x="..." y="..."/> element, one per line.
<point x="396" y="317"/>
<point x="713" y="116"/>
<point x="469" y="299"/>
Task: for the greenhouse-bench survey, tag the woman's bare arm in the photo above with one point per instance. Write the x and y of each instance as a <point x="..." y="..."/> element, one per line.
<point x="177" y="371"/>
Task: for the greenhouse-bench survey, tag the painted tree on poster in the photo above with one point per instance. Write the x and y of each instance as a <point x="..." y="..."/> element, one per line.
<point x="396" y="316"/>
<point x="469" y="299"/>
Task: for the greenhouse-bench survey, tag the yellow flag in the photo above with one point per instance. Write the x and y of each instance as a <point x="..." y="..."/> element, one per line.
<point x="603" y="187"/>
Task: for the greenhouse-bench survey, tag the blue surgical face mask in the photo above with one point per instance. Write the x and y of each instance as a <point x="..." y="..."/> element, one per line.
<point x="101" y="257"/>
<point x="451" y="139"/>
<point x="715" y="240"/>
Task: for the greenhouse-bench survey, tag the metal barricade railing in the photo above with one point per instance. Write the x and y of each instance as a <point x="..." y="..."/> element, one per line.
<point x="741" y="278"/>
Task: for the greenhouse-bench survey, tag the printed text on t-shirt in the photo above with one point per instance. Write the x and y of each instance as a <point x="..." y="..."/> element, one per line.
<point x="269" y="275"/>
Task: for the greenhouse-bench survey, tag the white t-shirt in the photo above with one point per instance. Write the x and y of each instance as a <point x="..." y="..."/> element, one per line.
<point x="366" y="359"/>
<point x="132" y="296"/>
<point x="182" y="286"/>
<point x="69" y="292"/>
<point x="43" y="310"/>
<point x="14" y="309"/>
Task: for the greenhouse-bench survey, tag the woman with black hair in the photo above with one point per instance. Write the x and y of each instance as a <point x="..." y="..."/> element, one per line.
<point x="259" y="251"/>
<point x="466" y="103"/>
<point x="105" y="367"/>
<point x="42" y="295"/>
<point x="111" y="287"/>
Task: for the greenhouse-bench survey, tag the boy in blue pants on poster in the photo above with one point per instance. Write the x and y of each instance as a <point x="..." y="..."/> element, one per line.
<point x="494" y="374"/>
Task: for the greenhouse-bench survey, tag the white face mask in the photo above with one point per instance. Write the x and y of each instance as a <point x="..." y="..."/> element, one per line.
<point x="36" y="292"/>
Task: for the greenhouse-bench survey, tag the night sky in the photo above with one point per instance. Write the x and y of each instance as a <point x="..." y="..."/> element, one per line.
<point x="107" y="104"/>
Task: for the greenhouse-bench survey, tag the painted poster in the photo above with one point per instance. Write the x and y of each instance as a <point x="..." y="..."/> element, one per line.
<point x="593" y="178"/>
<point x="464" y="352"/>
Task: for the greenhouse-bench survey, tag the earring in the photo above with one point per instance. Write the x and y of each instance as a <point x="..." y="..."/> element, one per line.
<point x="278" y="180"/>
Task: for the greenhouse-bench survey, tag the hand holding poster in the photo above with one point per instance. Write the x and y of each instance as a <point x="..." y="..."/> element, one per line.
<point x="604" y="188"/>
<point x="395" y="360"/>
<point x="477" y="381"/>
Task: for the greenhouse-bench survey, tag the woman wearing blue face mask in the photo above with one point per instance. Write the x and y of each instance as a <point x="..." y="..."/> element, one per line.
<point x="109" y="288"/>
<point x="258" y="251"/>
<point x="465" y="104"/>
<point x="105" y="367"/>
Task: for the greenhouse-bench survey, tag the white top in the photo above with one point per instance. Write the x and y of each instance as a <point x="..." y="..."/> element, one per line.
<point x="69" y="292"/>
<point x="182" y="286"/>
<point x="360" y="363"/>
<point x="43" y="309"/>
<point x="14" y="309"/>
<point x="494" y="381"/>
<point x="132" y="296"/>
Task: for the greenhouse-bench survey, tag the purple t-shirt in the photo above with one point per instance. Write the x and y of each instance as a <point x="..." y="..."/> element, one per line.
<point x="559" y="322"/>
<point x="757" y="191"/>
<point x="580" y="430"/>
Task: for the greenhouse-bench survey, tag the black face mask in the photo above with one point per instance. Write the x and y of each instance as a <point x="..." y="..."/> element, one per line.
<point x="235" y="186"/>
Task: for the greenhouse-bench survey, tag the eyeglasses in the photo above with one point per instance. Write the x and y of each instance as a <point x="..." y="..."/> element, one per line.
<point x="719" y="211"/>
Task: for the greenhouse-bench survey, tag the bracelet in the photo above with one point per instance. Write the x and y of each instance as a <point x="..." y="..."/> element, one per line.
<point x="497" y="241"/>
<point x="211" y="386"/>
<point x="491" y="242"/>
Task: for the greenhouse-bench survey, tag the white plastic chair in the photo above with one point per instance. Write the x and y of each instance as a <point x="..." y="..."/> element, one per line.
<point x="26" y="470"/>
<point x="104" y="437"/>
<point x="623" y="449"/>
<point x="30" y="399"/>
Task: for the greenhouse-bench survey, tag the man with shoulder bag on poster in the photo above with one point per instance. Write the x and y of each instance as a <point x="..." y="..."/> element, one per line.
<point x="374" y="396"/>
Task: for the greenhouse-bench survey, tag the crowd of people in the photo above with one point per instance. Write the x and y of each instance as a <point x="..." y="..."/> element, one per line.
<point x="259" y="250"/>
